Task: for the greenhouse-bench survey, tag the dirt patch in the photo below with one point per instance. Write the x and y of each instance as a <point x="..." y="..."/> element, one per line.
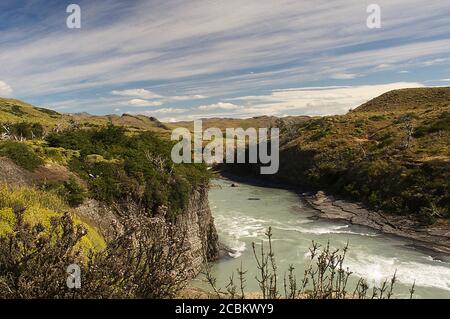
<point x="14" y="175"/>
<point x="51" y="172"/>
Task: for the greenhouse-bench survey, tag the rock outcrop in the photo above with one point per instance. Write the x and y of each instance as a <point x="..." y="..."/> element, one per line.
<point x="435" y="237"/>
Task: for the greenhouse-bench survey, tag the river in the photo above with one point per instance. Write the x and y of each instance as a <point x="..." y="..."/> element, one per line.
<point x="243" y="214"/>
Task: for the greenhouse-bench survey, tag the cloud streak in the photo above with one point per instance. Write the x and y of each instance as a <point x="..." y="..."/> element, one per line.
<point x="172" y="53"/>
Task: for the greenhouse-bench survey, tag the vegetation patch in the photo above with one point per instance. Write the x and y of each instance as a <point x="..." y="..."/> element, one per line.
<point x="21" y="154"/>
<point x="119" y="167"/>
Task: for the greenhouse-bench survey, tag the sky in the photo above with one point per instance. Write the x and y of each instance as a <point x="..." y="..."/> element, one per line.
<point x="181" y="60"/>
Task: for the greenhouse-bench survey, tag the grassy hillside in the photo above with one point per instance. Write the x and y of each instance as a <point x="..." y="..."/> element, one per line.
<point x="393" y="153"/>
<point x="15" y="111"/>
<point x="408" y="99"/>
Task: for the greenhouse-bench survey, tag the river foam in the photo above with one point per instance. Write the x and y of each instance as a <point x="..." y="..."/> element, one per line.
<point x="371" y="255"/>
<point x="376" y="269"/>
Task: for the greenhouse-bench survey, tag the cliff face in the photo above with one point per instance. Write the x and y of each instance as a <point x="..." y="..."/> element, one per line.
<point x="198" y="224"/>
<point x="196" y="221"/>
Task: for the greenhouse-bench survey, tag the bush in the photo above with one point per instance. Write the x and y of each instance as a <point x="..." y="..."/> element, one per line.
<point x="119" y="168"/>
<point x="137" y="264"/>
<point x="441" y="124"/>
<point x="75" y="194"/>
<point x="21" y="154"/>
<point x="24" y="130"/>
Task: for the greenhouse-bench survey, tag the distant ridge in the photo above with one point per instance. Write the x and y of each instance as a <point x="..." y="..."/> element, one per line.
<point x="16" y="111"/>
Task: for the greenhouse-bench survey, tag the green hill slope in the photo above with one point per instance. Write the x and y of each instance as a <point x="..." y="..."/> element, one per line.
<point x="14" y="111"/>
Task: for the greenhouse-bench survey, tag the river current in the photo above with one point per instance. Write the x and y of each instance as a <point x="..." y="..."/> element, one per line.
<point x="243" y="214"/>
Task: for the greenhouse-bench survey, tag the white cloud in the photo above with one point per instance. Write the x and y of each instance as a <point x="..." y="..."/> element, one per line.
<point x="444" y="80"/>
<point x="317" y="100"/>
<point x="343" y="76"/>
<point x="5" y="89"/>
<point x="383" y="66"/>
<point x="403" y="72"/>
<point x="219" y="106"/>
<point x="142" y="103"/>
<point x="187" y="97"/>
<point x="170" y="110"/>
<point x="143" y="95"/>
<point x="436" y="61"/>
<point x="139" y="93"/>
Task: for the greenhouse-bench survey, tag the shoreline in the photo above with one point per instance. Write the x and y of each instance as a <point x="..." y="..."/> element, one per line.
<point x="434" y="239"/>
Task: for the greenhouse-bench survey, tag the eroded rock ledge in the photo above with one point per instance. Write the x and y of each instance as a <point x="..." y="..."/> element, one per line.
<point x="435" y="238"/>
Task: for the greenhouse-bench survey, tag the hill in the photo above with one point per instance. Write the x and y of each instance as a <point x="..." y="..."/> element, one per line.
<point x="391" y="153"/>
<point x="12" y="110"/>
<point x="408" y="99"/>
<point x="16" y="111"/>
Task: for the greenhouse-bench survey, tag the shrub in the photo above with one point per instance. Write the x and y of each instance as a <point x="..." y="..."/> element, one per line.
<point x="17" y="110"/>
<point x="324" y="278"/>
<point x="21" y="154"/>
<point x="24" y="130"/>
<point x="74" y="194"/>
<point x="441" y="124"/>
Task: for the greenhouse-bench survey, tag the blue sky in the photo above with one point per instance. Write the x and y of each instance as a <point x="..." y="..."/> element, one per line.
<point x="191" y="59"/>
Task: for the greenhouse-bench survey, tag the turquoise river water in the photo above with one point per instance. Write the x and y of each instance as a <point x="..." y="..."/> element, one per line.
<point x="243" y="214"/>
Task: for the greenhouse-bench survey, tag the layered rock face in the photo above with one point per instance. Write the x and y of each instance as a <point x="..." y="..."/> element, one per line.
<point x="195" y="223"/>
<point x="198" y="224"/>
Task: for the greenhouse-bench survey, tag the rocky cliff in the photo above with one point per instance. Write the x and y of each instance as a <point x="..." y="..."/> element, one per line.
<point x="198" y="225"/>
<point x="195" y="222"/>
